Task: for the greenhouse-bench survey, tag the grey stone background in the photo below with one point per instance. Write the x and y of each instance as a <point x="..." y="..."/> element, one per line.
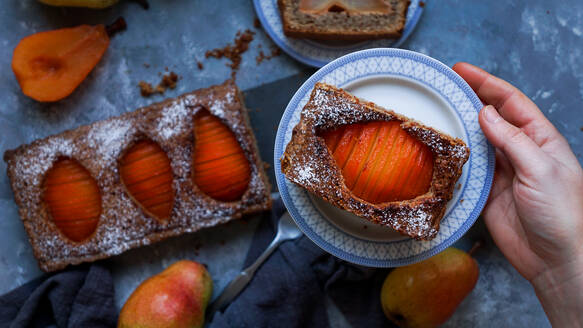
<point x="536" y="45"/>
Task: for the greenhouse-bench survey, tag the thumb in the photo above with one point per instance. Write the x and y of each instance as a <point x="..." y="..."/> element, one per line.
<point x="523" y="153"/>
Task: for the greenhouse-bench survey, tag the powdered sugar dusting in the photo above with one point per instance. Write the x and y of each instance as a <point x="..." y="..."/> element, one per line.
<point x="32" y="167"/>
<point x="217" y="107"/>
<point x="108" y="137"/>
<point x="173" y="118"/>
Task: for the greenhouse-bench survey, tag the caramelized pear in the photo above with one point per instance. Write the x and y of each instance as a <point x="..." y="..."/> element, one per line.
<point x="72" y="198"/>
<point x="146" y="173"/>
<point x="380" y="161"/>
<point x="220" y="168"/>
<point x="50" y="65"/>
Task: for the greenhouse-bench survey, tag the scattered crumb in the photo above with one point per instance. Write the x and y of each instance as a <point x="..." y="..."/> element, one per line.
<point x="581" y="128"/>
<point x="261" y="57"/>
<point x="266" y="165"/>
<point x="146" y="65"/>
<point x="458" y="186"/>
<point x="197" y="246"/>
<point x="166" y="68"/>
<point x="168" y="81"/>
<point x="199" y="65"/>
<point x="222" y="242"/>
<point x="548" y="12"/>
<point x="256" y="23"/>
<point x="233" y="52"/>
<point x="146" y="89"/>
<point x="461" y="201"/>
<point x="364" y="227"/>
<point x="421" y="4"/>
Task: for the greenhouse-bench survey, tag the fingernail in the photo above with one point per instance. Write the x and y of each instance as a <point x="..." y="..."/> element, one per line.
<point x="491" y="114"/>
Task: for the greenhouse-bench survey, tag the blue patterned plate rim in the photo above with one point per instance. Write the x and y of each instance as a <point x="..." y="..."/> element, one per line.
<point x="306" y="89"/>
<point x="300" y="54"/>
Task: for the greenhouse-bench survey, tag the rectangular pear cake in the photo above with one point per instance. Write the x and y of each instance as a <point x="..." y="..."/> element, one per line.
<point x="330" y="117"/>
<point x="123" y="222"/>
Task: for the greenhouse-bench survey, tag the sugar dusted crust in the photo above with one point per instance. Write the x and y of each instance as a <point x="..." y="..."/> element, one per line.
<point x="342" y="25"/>
<point x="308" y="163"/>
<point x="98" y="147"/>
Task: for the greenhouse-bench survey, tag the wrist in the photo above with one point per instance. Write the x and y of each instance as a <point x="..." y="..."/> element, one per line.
<point x="560" y="291"/>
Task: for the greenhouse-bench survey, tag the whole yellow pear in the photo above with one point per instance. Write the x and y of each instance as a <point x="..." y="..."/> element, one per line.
<point x="427" y="293"/>
<point x="176" y="297"/>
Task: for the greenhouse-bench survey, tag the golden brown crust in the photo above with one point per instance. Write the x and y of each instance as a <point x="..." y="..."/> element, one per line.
<point x="123" y="224"/>
<point x="308" y="163"/>
<point x="341" y="25"/>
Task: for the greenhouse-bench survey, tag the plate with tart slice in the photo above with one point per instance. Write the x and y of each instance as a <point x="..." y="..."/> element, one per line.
<point x="380" y="159"/>
<point x="315" y="32"/>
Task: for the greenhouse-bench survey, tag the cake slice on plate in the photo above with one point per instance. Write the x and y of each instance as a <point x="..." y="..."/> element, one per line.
<point x="373" y="162"/>
<point x="343" y="19"/>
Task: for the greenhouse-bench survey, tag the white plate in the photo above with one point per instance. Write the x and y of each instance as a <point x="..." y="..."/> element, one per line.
<point x="421" y="88"/>
<point x="317" y="53"/>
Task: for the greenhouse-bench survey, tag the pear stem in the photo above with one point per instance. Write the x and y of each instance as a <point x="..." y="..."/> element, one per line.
<point x="117" y="26"/>
<point x="477" y="245"/>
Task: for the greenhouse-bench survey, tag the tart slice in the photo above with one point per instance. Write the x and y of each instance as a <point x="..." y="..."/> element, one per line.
<point x="373" y="162"/>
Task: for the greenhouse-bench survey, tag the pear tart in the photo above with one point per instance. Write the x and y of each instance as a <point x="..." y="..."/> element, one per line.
<point x="373" y="162"/>
<point x="160" y="171"/>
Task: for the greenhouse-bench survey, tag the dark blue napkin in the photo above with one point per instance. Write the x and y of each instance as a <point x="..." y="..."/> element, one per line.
<point x="78" y="297"/>
<point x="292" y="288"/>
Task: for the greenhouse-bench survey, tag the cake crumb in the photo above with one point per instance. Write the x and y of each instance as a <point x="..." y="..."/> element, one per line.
<point x="458" y="186"/>
<point x="234" y="51"/>
<point x="199" y="65"/>
<point x="256" y="23"/>
<point x="146" y="65"/>
<point x="261" y="57"/>
<point x="146" y="89"/>
<point x="581" y="128"/>
<point x="364" y="227"/>
<point x="421" y="4"/>
<point x="168" y="81"/>
<point x="222" y="242"/>
<point x="461" y="201"/>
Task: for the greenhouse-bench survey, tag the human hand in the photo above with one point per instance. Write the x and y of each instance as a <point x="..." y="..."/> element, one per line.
<point x="535" y="209"/>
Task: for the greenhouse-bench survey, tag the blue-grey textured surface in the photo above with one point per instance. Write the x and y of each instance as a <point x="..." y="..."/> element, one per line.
<point x="536" y="44"/>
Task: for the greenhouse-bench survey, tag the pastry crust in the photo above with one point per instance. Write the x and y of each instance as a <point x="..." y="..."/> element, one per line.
<point x="308" y="163"/>
<point x="123" y="224"/>
<point x="343" y="25"/>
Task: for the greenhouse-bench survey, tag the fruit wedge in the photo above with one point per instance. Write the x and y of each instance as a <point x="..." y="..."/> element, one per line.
<point x="50" y="65"/>
<point x="72" y="198"/>
<point x="380" y="162"/>
<point x="147" y="175"/>
<point x="220" y="168"/>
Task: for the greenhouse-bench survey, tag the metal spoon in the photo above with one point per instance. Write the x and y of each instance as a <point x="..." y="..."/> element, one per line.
<point x="286" y="230"/>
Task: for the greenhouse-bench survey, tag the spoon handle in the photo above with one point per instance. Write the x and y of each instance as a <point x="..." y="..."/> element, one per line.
<point x="242" y="279"/>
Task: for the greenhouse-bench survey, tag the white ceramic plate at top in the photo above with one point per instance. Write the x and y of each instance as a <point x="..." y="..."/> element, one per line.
<point x="318" y="53"/>
<point x="419" y="87"/>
